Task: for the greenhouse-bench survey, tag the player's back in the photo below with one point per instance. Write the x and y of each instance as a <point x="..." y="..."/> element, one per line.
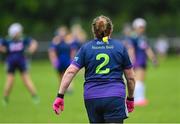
<point x="104" y="64"/>
<point x="104" y="61"/>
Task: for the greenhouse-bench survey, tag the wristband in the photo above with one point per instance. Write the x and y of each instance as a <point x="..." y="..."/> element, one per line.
<point x="60" y="95"/>
<point x="130" y="99"/>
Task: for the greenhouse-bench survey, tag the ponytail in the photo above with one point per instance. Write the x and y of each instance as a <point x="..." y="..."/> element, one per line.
<point x="102" y="27"/>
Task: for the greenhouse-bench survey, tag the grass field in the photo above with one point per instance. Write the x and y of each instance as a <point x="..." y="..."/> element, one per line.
<point x="163" y="91"/>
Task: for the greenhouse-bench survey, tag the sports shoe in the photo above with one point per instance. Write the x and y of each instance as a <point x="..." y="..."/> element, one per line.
<point x="36" y="99"/>
<point x="5" y="101"/>
<point x="143" y="102"/>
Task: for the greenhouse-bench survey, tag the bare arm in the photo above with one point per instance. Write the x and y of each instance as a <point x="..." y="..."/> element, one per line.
<point x="52" y="56"/>
<point x="73" y="53"/>
<point x="151" y="55"/>
<point x="131" y="52"/>
<point x="129" y="75"/>
<point x="33" y="46"/>
<point x="3" y="49"/>
<point x="69" y="74"/>
<point x="52" y="52"/>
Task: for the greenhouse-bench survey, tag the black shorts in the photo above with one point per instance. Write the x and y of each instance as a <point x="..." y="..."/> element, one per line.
<point x="21" y="65"/>
<point x="61" y="70"/>
<point x="106" y="110"/>
<point x="143" y="66"/>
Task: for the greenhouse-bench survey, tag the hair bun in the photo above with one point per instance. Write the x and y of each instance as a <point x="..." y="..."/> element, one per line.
<point x="101" y="23"/>
<point x="102" y="26"/>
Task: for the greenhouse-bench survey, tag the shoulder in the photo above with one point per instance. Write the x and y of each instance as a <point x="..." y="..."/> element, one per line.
<point x="2" y="41"/>
<point x="119" y="47"/>
<point x="6" y="41"/>
<point x="133" y="37"/>
<point x="87" y="44"/>
<point x="56" y="40"/>
<point x="117" y="43"/>
<point x="27" y="39"/>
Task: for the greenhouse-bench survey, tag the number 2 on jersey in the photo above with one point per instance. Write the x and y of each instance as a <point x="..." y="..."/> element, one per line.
<point x="99" y="69"/>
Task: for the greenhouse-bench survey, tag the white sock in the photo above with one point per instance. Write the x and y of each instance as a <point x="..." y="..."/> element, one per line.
<point x="139" y="93"/>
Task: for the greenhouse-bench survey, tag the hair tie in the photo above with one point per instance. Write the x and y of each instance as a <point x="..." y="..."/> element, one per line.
<point x="105" y="39"/>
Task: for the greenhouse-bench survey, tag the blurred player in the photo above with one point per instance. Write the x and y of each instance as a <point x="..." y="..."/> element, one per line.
<point x="2" y="48"/>
<point x="105" y="60"/>
<point x="126" y="39"/>
<point x="127" y="32"/>
<point x="79" y="37"/>
<point x="162" y="46"/>
<point x="15" y="47"/>
<point x="140" y="50"/>
<point x="60" y="52"/>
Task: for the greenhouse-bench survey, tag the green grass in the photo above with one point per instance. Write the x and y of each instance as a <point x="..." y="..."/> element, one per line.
<point x="163" y="91"/>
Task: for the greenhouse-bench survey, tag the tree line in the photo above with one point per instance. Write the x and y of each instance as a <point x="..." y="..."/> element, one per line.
<point x="41" y="17"/>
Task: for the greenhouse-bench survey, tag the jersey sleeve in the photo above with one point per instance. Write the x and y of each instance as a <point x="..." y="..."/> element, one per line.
<point x="126" y="60"/>
<point x="143" y="44"/>
<point x="75" y="45"/>
<point x="3" y="42"/>
<point x="52" y="46"/>
<point x="78" y="60"/>
<point x="27" y="41"/>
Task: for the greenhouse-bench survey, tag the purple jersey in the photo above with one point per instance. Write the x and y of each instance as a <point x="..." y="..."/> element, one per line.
<point x="1" y="41"/>
<point x="63" y="51"/>
<point x="140" y="45"/>
<point x="16" y="49"/>
<point x="75" y="45"/>
<point x="16" y="54"/>
<point x="104" y="65"/>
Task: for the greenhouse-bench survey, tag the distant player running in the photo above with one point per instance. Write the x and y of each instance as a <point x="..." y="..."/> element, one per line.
<point x="60" y="52"/>
<point x="141" y="50"/>
<point x="14" y="47"/>
<point x="79" y="37"/>
<point x="105" y="60"/>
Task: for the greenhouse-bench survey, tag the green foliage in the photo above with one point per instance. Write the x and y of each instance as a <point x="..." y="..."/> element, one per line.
<point x="41" y="17"/>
